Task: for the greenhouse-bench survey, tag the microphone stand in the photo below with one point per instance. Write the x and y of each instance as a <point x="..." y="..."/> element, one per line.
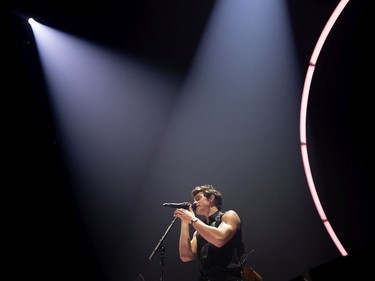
<point x="160" y="247"/>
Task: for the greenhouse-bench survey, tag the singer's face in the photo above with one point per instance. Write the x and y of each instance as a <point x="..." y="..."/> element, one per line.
<point x="200" y="202"/>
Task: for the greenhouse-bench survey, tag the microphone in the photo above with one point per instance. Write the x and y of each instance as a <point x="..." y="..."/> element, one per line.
<point x="184" y="205"/>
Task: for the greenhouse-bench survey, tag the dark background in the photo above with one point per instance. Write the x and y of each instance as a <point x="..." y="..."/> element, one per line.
<point x="47" y="236"/>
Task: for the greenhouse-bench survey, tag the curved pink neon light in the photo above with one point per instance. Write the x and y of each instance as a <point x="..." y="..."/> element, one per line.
<point x="305" y="97"/>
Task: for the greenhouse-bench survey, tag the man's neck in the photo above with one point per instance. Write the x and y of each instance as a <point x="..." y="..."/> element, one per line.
<point x="212" y="211"/>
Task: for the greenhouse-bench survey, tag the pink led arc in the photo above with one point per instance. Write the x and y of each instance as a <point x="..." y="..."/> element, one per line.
<point x="305" y="96"/>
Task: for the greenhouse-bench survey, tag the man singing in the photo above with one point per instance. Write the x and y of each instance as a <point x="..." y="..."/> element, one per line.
<point x="216" y="242"/>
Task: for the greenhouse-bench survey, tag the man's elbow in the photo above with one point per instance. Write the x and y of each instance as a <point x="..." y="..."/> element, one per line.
<point x="219" y="242"/>
<point x="186" y="258"/>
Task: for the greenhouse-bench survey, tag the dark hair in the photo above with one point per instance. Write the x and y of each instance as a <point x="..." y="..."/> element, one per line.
<point x="209" y="190"/>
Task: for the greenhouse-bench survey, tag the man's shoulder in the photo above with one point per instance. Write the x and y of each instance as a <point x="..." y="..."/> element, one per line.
<point x="230" y="214"/>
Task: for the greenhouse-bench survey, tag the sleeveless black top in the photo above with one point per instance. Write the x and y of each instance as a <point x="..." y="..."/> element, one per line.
<point x="220" y="263"/>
